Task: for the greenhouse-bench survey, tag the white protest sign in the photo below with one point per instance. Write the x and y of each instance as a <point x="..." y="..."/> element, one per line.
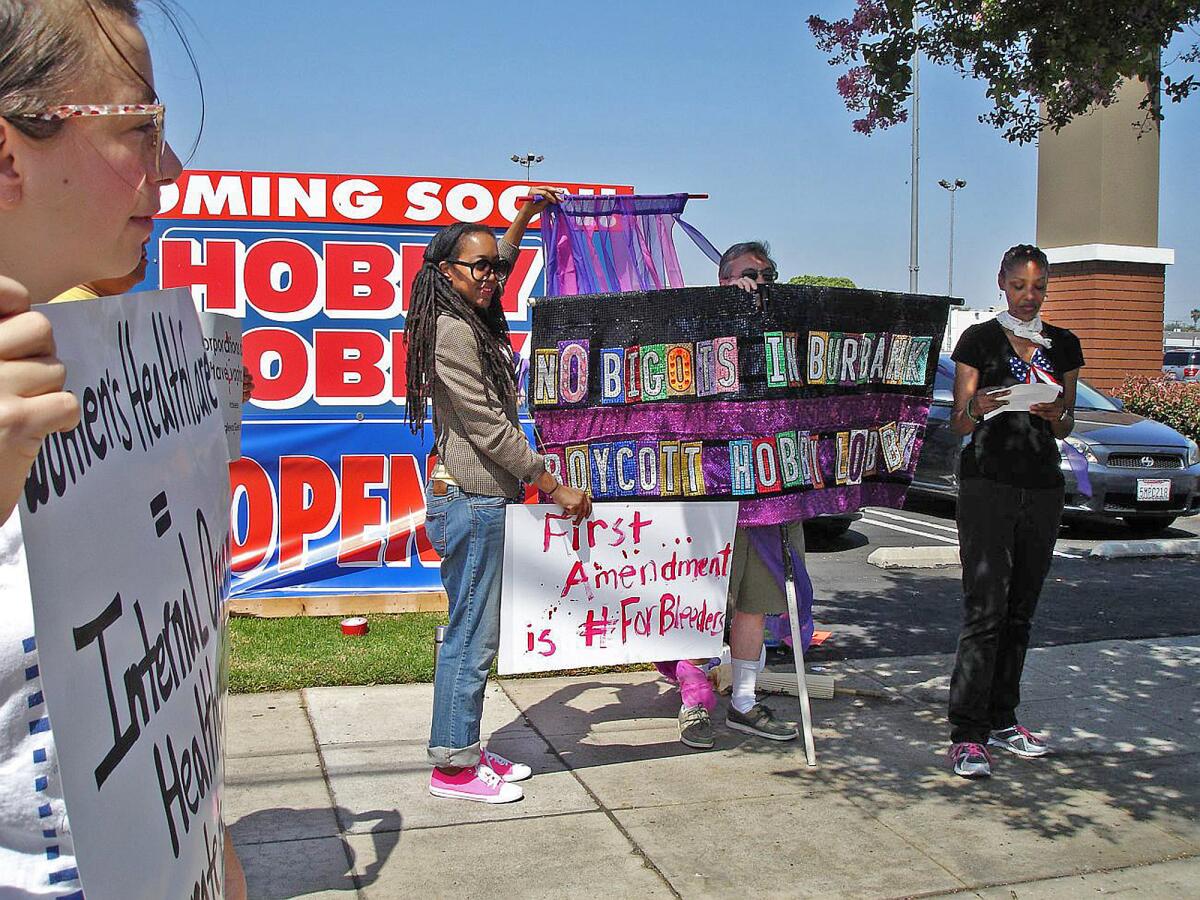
<point x="126" y="521"/>
<point x="637" y="582"/>
<point x="223" y="344"/>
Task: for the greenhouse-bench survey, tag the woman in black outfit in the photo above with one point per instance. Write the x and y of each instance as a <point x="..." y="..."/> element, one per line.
<point x="1010" y="502"/>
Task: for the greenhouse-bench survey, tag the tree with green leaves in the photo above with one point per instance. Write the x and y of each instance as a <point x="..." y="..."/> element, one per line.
<point x="1044" y="63"/>
<point x="823" y="281"/>
<point x="1195" y="314"/>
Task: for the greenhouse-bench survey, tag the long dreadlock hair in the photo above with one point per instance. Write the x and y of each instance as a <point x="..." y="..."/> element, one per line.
<point x="432" y="295"/>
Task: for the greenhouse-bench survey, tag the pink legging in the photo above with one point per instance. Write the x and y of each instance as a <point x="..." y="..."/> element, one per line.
<point x="694" y="685"/>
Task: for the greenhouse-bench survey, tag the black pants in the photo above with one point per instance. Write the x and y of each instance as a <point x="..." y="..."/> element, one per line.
<point x="1006" y="539"/>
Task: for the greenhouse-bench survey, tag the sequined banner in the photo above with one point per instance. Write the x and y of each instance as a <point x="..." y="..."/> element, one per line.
<point x="805" y="402"/>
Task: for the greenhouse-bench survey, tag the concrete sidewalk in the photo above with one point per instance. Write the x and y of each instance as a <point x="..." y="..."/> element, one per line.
<point x="326" y="791"/>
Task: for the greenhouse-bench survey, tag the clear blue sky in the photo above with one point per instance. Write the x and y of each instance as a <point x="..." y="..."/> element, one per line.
<point x="731" y="100"/>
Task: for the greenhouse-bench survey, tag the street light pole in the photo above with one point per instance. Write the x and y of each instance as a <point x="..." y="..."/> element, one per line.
<point x="953" y="187"/>
<point x="915" y="178"/>
<point x="529" y="160"/>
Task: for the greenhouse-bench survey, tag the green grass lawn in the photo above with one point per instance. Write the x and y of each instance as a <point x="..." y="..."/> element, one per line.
<point x="311" y="651"/>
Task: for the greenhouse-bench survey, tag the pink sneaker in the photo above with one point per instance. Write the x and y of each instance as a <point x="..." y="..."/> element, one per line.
<point x="506" y="769"/>
<point x="479" y="783"/>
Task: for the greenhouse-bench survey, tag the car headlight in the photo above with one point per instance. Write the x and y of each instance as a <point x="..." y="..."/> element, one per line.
<point x="1193" y="452"/>
<point x="1082" y="447"/>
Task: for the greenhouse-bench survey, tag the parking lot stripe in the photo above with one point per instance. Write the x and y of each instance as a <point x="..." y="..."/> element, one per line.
<point x="892" y="515"/>
<point x="901" y="528"/>
<point x="931" y="535"/>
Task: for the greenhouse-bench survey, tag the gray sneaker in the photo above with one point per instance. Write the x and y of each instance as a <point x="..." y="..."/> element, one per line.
<point x="695" y="727"/>
<point x="761" y="722"/>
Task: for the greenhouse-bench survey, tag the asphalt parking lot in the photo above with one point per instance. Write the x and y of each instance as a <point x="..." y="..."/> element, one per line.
<point x="902" y="612"/>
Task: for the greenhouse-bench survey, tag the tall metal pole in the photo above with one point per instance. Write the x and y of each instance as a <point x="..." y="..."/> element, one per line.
<point x="953" y="187"/>
<point x="950" y="274"/>
<point x="913" y="266"/>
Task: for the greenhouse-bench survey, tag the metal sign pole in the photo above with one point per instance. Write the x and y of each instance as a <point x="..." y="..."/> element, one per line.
<point x="789" y="581"/>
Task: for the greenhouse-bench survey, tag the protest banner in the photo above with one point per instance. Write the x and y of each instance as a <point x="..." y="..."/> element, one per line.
<point x="802" y="402"/>
<point x="633" y="583"/>
<point x="328" y="495"/>
<point x="125" y="521"/>
<point x="223" y="344"/>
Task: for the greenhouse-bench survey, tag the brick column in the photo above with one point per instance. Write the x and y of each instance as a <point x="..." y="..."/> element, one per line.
<point x="1114" y="306"/>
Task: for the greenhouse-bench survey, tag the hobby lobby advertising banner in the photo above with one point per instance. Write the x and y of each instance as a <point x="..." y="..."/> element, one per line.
<point x="327" y="495"/>
<point x="807" y="402"/>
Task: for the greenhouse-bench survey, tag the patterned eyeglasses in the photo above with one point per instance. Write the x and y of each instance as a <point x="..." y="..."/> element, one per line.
<point x="156" y="113"/>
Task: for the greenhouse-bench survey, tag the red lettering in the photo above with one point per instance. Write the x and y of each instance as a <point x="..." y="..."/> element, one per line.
<point x="547" y="533"/>
<point x="577" y="575"/>
<point x="359" y="278"/>
<point x="667" y="619"/>
<point x="267" y="264"/>
<point x="412" y="258"/>
<point x="279" y="360"/>
<point x="361" y="510"/>
<point x="250" y="480"/>
<point x="638" y="524"/>
<point x="308" y="501"/>
<point x="348" y="365"/>
<point x="209" y="268"/>
<point x="625" y="620"/>
<point x="406" y="502"/>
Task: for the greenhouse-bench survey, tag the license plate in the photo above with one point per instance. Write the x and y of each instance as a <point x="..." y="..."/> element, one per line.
<point x="1154" y="489"/>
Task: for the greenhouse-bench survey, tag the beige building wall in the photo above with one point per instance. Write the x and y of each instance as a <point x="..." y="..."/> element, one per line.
<point x="1098" y="178"/>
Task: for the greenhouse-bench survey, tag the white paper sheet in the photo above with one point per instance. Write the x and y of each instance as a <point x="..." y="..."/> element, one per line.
<point x="1022" y="396"/>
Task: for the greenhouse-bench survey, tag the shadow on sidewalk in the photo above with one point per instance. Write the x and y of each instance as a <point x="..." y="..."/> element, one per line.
<point x="1122" y="720"/>
<point x="279" y="870"/>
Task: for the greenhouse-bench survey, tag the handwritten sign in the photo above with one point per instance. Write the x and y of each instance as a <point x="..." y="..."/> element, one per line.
<point x="637" y="582"/>
<point x="125" y="521"/>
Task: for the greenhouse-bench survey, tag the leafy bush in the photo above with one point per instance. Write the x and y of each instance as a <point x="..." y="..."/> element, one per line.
<point x="1173" y="403"/>
<point x="823" y="281"/>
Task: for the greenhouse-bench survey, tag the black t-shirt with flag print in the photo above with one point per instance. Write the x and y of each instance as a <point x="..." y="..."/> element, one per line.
<point x="1015" y="448"/>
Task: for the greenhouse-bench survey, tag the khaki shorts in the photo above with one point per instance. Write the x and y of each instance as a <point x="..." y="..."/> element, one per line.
<point x="752" y="587"/>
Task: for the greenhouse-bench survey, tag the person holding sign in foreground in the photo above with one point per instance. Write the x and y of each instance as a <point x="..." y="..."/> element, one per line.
<point x="1010" y="502"/>
<point x="82" y="159"/>
<point x="754" y="589"/>
<point x="459" y="356"/>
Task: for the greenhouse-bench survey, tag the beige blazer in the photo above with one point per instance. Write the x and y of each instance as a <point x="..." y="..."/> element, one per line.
<point x="479" y="437"/>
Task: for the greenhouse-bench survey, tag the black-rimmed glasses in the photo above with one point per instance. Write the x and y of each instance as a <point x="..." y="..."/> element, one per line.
<point x="482" y="268"/>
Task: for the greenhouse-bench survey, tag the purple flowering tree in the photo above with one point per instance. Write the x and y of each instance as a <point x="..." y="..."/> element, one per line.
<point x="1044" y="61"/>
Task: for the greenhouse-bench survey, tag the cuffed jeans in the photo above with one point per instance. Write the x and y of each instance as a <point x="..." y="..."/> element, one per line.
<point x="467" y="530"/>
<point x="1006" y="541"/>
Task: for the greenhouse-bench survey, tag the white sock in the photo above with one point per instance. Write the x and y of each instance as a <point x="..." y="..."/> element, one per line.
<point x="745" y="674"/>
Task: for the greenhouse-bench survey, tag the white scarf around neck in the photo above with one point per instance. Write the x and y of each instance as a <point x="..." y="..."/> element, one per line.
<point x="1031" y="330"/>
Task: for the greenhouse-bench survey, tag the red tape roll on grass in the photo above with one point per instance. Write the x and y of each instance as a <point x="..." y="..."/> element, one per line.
<point x="355" y="626"/>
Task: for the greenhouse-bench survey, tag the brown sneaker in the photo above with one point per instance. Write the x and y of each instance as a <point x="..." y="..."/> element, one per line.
<point x="761" y="722"/>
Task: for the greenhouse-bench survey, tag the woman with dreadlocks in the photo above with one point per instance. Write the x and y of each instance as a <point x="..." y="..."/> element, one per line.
<point x="460" y="357"/>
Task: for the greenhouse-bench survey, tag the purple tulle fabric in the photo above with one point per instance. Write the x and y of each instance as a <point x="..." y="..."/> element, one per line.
<point x="607" y="243"/>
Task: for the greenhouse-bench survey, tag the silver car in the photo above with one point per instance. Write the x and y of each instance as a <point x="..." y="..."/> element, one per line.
<point x="1182" y="364"/>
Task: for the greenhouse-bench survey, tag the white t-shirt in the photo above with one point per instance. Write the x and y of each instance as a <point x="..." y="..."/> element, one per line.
<point x="37" y="856"/>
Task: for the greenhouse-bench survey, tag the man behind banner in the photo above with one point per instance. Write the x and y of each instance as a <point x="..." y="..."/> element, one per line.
<point x="754" y="588"/>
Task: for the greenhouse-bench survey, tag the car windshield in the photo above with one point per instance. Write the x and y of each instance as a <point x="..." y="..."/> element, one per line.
<point x="1087" y="397"/>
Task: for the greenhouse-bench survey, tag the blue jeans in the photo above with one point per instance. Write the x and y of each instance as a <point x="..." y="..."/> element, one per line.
<point x="467" y="530"/>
